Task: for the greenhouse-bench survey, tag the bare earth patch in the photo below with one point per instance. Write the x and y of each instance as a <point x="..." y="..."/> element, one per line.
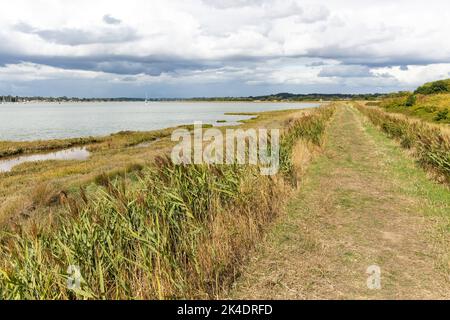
<point x="362" y="203"/>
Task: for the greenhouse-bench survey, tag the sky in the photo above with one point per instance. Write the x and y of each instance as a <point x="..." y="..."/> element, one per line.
<point x="191" y="48"/>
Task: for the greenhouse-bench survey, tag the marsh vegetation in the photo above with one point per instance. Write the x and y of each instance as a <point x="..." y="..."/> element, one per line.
<point x="157" y="231"/>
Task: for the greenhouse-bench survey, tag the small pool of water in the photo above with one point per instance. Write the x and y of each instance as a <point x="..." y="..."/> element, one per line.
<point x="69" y="154"/>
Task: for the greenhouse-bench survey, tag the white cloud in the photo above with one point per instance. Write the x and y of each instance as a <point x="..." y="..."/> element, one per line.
<point x="416" y="75"/>
<point x="254" y="42"/>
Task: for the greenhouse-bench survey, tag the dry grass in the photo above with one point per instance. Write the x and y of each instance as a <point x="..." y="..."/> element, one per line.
<point x="302" y="154"/>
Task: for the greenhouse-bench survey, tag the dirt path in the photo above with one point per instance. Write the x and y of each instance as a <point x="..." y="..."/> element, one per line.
<point x="362" y="203"/>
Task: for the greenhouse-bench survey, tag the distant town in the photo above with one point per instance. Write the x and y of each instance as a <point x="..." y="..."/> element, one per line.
<point x="279" y="97"/>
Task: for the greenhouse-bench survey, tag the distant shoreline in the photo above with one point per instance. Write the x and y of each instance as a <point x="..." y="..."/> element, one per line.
<point x="280" y="97"/>
<point x="167" y="101"/>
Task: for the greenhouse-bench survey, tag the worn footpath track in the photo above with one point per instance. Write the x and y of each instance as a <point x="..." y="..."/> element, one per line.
<point x="363" y="202"/>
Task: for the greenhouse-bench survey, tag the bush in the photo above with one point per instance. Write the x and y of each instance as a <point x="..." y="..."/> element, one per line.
<point x="410" y="101"/>
<point x="441" y="115"/>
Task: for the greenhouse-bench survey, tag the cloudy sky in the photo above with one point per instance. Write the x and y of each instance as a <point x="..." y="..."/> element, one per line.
<point x="185" y="48"/>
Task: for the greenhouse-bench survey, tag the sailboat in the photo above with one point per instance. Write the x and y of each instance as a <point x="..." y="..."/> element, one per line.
<point x="146" y="99"/>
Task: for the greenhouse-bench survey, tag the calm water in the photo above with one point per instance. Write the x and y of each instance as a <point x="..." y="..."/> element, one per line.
<point x="69" y="154"/>
<point x="35" y="121"/>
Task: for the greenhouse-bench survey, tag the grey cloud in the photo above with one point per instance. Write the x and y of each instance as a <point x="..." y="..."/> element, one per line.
<point x="111" y="20"/>
<point x="124" y="65"/>
<point x="150" y="66"/>
<point x="24" y="27"/>
<point x="73" y="37"/>
<point x="316" y="64"/>
<point x="129" y="79"/>
<point x="357" y="66"/>
<point x="346" y="71"/>
<point x="359" y="55"/>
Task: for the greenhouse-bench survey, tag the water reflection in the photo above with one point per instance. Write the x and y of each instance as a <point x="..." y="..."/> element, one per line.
<point x="69" y="154"/>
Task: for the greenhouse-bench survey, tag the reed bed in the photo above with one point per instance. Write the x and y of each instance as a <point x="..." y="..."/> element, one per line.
<point x="429" y="143"/>
<point x="166" y="232"/>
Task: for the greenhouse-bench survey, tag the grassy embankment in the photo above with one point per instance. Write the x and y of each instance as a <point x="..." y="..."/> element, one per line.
<point x="165" y="231"/>
<point x="429" y="143"/>
<point x="430" y="102"/>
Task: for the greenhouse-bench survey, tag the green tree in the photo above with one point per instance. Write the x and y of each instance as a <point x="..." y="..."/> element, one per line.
<point x="440" y="86"/>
